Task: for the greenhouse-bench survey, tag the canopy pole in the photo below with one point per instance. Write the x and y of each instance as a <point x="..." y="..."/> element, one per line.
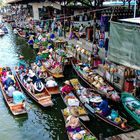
<point x="135" y="8"/>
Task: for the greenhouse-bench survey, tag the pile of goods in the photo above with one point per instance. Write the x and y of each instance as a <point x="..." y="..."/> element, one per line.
<point x="71" y="111"/>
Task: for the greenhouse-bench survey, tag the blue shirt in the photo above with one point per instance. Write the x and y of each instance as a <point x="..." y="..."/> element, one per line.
<point x="38" y="58"/>
<point x="18" y="97"/>
<point x="104" y="106"/>
<point x="22" y="63"/>
<point x="8" y="82"/>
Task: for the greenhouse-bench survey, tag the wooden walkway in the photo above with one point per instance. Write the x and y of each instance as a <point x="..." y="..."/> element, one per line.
<point x="134" y="135"/>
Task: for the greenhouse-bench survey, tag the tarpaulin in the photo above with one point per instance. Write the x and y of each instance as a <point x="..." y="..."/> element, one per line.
<point x="124" y="44"/>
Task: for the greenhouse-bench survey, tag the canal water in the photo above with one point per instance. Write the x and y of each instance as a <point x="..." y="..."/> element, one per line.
<point x="39" y="124"/>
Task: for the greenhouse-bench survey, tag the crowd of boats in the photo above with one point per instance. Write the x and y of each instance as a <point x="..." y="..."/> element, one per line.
<point x="39" y="83"/>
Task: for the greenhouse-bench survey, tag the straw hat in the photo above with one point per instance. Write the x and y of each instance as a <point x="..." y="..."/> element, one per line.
<point x="82" y="51"/>
<point x="74" y="111"/>
<point x="38" y="53"/>
<point x="67" y="82"/>
<point x="51" y="50"/>
<point x="21" y="57"/>
<point x="43" y="69"/>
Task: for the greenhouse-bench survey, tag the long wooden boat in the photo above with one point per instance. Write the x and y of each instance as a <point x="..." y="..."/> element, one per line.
<point x="87" y="133"/>
<point x="131" y="105"/>
<point x="43" y="98"/>
<point x="96" y="82"/>
<point x="81" y="109"/>
<point x="54" y="74"/>
<point x="16" y="109"/>
<point x="89" y="98"/>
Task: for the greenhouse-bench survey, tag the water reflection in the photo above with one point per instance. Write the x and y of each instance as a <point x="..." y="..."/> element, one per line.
<point x="43" y="124"/>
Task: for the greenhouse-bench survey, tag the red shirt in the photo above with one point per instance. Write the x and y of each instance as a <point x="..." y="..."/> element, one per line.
<point x="67" y="89"/>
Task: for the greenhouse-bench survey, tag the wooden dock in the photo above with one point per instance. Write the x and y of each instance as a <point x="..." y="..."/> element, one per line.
<point x="134" y="135"/>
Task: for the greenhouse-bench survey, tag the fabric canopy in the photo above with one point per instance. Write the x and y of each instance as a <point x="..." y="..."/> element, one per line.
<point x="124" y="44"/>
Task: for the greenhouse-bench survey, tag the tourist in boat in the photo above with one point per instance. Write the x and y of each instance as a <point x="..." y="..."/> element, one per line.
<point x="32" y="75"/>
<point x="51" y="82"/>
<point x="10" y="75"/>
<point x="31" y="40"/>
<point x="103" y="106"/>
<point x="18" y="97"/>
<point x="10" y="90"/>
<point x="21" y="64"/>
<point x="67" y="88"/>
<point x="30" y="86"/>
<point x="38" y="58"/>
<point x="4" y="78"/>
<point x="8" y="82"/>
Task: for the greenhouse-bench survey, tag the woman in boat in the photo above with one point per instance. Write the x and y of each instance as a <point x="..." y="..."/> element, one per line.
<point x="4" y="78"/>
<point x="18" y="97"/>
<point x="22" y="63"/>
<point x="10" y="90"/>
<point x="32" y="75"/>
<point x="67" y="88"/>
<point x="30" y="85"/>
<point x="103" y="106"/>
<point x="72" y="122"/>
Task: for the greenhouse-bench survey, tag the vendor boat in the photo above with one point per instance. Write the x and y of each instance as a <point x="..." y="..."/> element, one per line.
<point x="131" y="105"/>
<point x="43" y="98"/>
<point x="71" y="101"/>
<point x="88" y="98"/>
<point x="16" y="109"/>
<point x="84" y="133"/>
<point x="95" y="81"/>
<point x="56" y="72"/>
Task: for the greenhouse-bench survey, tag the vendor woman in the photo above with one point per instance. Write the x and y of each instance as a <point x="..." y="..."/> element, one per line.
<point x="67" y="88"/>
<point x="103" y="106"/>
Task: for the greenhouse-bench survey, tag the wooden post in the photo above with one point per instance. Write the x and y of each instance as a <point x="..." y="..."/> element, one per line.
<point x="64" y="18"/>
<point x="94" y="26"/>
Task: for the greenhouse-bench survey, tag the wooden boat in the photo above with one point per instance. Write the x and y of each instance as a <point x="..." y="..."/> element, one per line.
<point x="81" y="109"/>
<point x="88" y="98"/>
<point x="16" y="109"/>
<point x="52" y="90"/>
<point x="131" y="105"/>
<point x="88" y="134"/>
<point x="43" y="98"/>
<point x="96" y="82"/>
<point x="54" y="74"/>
